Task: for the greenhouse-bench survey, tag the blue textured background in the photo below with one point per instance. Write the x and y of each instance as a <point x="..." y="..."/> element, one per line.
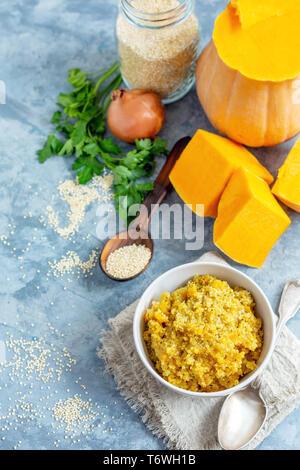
<point x="40" y="41"/>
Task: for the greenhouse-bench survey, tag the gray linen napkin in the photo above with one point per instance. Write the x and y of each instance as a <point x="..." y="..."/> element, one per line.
<point x="191" y="423"/>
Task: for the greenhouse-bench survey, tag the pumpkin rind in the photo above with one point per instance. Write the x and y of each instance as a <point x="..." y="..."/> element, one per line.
<point x="252" y="112"/>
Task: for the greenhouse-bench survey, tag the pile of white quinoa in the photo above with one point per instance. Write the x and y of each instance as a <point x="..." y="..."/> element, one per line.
<point x="128" y="261"/>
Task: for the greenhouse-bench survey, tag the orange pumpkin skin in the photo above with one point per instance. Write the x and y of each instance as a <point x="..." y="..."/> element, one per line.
<point x="252" y="112"/>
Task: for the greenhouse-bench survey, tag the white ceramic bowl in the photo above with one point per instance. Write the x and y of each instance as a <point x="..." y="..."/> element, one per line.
<point x="177" y="277"/>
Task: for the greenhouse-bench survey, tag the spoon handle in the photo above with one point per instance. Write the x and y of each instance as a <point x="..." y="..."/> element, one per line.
<point x="162" y="186"/>
<point x="289" y="303"/>
<point x="288" y="307"/>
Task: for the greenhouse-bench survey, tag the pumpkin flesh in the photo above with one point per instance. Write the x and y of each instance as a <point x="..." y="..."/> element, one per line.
<point x="287" y="184"/>
<point x="205" y="166"/>
<point x="251" y="12"/>
<point x="249" y="220"/>
<point x="266" y="50"/>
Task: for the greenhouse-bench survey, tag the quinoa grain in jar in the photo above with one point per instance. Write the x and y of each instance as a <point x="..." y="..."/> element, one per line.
<point x="159" y="43"/>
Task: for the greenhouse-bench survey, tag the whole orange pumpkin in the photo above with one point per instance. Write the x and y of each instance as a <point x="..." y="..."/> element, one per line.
<point x="248" y="77"/>
<point x="252" y="112"/>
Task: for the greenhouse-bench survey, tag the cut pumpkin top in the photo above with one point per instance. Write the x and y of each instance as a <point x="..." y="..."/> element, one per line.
<point x="260" y="39"/>
<point x="251" y="12"/>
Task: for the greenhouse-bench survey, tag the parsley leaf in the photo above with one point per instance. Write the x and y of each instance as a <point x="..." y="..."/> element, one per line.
<point x="78" y="133"/>
<point x="52" y="146"/>
<point x="91" y="167"/>
<point x="144" y="186"/>
<point x="67" y="148"/>
<point x="110" y="147"/>
<point x="85" y="175"/>
<point x="56" y="117"/>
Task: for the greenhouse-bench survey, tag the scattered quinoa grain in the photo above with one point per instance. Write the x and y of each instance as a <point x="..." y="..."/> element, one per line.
<point x="79" y="197"/>
<point x="73" y="413"/>
<point x="70" y="261"/>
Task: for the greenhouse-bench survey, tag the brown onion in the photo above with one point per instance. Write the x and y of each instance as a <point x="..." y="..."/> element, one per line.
<point x="135" y="114"/>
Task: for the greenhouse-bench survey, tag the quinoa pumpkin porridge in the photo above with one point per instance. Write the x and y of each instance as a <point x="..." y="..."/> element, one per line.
<point x="204" y="336"/>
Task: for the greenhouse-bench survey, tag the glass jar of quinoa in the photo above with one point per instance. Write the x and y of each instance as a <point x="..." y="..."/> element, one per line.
<point x="159" y="43"/>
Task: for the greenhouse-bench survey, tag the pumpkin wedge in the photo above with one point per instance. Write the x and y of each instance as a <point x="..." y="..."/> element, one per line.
<point x="287" y="185"/>
<point x="206" y="165"/>
<point x="249" y="221"/>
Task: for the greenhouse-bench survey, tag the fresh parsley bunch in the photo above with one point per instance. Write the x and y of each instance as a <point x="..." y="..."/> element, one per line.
<point x="81" y="122"/>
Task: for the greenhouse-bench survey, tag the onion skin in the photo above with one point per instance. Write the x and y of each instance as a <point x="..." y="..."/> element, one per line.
<point x="135" y="114"/>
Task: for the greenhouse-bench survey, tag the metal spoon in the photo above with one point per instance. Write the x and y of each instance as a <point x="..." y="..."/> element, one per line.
<point x="244" y="412"/>
<point x="138" y="232"/>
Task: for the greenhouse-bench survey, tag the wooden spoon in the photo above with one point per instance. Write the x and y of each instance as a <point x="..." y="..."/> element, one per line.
<point x="162" y="186"/>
